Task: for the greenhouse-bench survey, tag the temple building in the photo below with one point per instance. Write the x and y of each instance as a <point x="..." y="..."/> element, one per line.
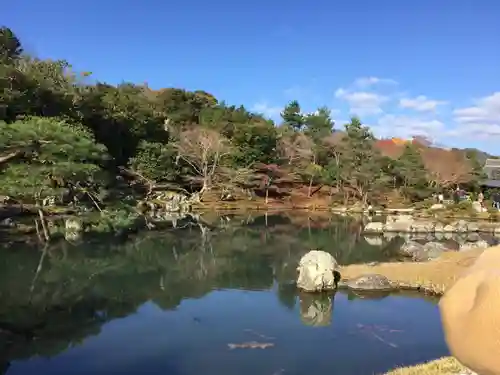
<point x="492" y="170"/>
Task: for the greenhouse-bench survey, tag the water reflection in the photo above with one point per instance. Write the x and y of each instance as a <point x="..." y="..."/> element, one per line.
<point x="372" y="294"/>
<point x="190" y="290"/>
<point x="316" y="309"/>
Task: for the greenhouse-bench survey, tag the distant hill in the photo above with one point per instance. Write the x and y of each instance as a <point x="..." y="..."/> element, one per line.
<point x="393" y="147"/>
<point x="481" y="155"/>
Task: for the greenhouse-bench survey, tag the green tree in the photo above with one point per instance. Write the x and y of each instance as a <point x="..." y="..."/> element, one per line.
<point x="363" y="170"/>
<point x="410" y="171"/>
<point x="292" y="115"/>
<point x="155" y="161"/>
<point x="10" y="46"/>
<point x="48" y="157"/>
<point x="254" y="143"/>
<point x="319" y="124"/>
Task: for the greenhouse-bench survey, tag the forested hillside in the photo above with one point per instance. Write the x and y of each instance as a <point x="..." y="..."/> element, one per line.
<point x="62" y="136"/>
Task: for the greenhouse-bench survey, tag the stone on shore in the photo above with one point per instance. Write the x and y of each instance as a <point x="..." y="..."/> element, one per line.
<point x="369" y="282"/>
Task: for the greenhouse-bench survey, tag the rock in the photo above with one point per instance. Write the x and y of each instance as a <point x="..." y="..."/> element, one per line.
<point x="476" y="206"/>
<point x="422" y="253"/>
<point x="431" y="250"/>
<point x="439" y="236"/>
<point x="410" y="248"/>
<point x="481" y="244"/>
<point x="369" y="282"/>
<point x="437" y="206"/>
<point x="472" y="227"/>
<point x="389" y="236"/>
<point x="395" y="218"/>
<point x="374" y="240"/>
<point x="8" y="222"/>
<point x="496" y="232"/>
<point x="73" y="229"/>
<point x="398" y="226"/>
<point x="448" y="228"/>
<point x="374" y="227"/>
<point x="420" y="236"/>
<point x="422" y="226"/>
<point x="317" y="271"/>
<point x="439" y="228"/>
<point x="473" y="237"/>
<point x="460" y="226"/>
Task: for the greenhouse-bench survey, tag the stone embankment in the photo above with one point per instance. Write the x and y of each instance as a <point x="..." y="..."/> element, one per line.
<point x="408" y="224"/>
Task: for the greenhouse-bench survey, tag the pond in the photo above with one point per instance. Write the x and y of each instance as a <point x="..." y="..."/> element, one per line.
<point x="218" y="299"/>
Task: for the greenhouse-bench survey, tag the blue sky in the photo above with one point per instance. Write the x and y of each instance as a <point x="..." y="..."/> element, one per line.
<point x="420" y="67"/>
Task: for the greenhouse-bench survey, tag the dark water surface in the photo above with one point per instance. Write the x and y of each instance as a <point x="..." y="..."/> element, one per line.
<point x="172" y="302"/>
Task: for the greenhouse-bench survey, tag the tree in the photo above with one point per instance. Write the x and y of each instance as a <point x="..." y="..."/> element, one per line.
<point x="447" y="169"/>
<point x="10" y="46"/>
<point x="319" y="124"/>
<point x="294" y="148"/>
<point x="155" y="161"/>
<point x="203" y="150"/>
<point x="364" y="171"/>
<point x="292" y="116"/>
<point x="477" y="172"/>
<point x="410" y="170"/>
<point x="48" y="157"/>
<point x="334" y="145"/>
<point x="254" y="143"/>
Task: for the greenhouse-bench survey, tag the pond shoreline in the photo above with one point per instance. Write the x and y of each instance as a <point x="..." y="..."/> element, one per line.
<point x="313" y="206"/>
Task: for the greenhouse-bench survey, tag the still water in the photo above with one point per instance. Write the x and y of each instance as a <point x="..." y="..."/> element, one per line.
<point x="184" y="301"/>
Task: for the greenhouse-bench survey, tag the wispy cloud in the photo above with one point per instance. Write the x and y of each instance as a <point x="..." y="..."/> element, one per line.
<point x="266" y="109"/>
<point x="362" y="102"/>
<point x="421" y="103"/>
<point x="364" y="82"/>
<point x="480" y="121"/>
<point x="407" y="126"/>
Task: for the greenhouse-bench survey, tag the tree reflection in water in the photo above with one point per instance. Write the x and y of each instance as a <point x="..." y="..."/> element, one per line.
<point x="79" y="287"/>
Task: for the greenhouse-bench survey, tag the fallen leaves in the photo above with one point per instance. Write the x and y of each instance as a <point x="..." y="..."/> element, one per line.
<point x="251" y="345"/>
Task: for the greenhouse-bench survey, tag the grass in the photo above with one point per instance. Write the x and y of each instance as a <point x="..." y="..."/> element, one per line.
<point x="442" y="366"/>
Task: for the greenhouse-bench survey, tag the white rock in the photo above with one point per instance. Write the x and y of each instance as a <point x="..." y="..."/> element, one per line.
<point x="317" y="271"/>
<point x="437" y="206"/>
<point x="374" y="240"/>
<point x="474" y="245"/>
<point x="476" y="206"/>
<point x="374" y="227"/>
<point x="73" y="229"/>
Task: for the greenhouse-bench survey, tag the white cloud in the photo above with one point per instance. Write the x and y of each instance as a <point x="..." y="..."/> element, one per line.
<point x="420" y="103"/>
<point x="370" y="81"/>
<point x="362" y="102"/>
<point x="266" y="109"/>
<point x="481" y="121"/>
<point x="407" y="127"/>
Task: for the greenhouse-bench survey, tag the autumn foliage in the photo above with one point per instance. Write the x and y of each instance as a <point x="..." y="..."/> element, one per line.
<point x="445" y="167"/>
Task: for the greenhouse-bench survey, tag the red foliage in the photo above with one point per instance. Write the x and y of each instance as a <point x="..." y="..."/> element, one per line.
<point x="388" y="148"/>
